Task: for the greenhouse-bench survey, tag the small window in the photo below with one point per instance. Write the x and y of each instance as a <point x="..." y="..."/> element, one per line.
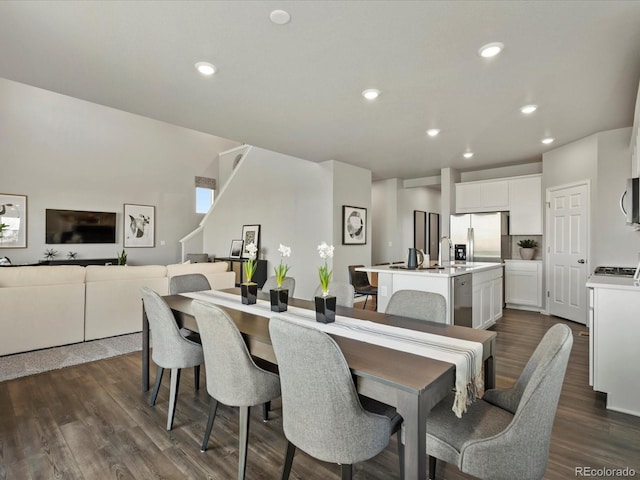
<point x="204" y="199"/>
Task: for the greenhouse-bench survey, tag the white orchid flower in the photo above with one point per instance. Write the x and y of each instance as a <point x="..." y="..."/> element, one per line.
<point x="325" y="251"/>
<point x="252" y="249"/>
<point x="284" y="251"/>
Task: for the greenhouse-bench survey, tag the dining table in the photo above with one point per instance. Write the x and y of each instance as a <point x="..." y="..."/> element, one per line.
<point x="411" y="383"/>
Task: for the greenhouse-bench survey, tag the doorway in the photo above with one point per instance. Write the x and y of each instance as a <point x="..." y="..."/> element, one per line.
<point x="568" y="250"/>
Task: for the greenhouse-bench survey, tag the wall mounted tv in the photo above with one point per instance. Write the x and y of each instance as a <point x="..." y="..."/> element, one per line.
<point x="74" y="226"/>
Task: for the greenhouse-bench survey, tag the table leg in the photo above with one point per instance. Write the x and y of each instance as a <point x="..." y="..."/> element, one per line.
<point x="413" y="408"/>
<point x="145" y="351"/>
<point x="490" y="369"/>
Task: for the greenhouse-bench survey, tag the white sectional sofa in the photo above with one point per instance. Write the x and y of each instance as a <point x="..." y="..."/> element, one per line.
<point x="46" y="306"/>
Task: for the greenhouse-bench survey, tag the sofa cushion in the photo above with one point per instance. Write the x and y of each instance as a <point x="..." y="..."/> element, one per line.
<point x="101" y="273"/>
<point x="41" y="275"/>
<point x="204" y="268"/>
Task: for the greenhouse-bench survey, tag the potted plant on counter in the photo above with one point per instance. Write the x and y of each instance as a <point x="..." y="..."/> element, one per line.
<point x="527" y="248"/>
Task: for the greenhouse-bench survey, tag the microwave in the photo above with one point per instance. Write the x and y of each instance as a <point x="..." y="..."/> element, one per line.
<point x="630" y="201"/>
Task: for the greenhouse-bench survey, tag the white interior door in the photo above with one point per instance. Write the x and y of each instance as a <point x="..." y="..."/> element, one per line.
<point x="568" y="229"/>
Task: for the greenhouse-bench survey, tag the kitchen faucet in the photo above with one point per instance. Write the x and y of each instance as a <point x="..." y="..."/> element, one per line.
<point x="440" y="249"/>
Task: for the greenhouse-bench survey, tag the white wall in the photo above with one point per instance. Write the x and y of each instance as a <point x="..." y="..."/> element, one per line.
<point x="393" y="208"/>
<point x="386" y="233"/>
<point x="605" y="160"/>
<point x="351" y="186"/>
<point x="410" y="199"/>
<point x="67" y="153"/>
<point x="614" y="242"/>
<point x="290" y="198"/>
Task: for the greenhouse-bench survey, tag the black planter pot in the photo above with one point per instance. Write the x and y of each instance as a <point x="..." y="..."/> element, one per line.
<point x="326" y="309"/>
<point x="279" y="299"/>
<point x="249" y="293"/>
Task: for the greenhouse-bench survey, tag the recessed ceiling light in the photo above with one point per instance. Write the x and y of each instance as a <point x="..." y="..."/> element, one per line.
<point x="527" y="109"/>
<point x="468" y="154"/>
<point x="548" y="140"/>
<point x="433" y="132"/>
<point x="371" y="93"/>
<point x="491" y="49"/>
<point x="206" y="68"/>
<point x="280" y="17"/>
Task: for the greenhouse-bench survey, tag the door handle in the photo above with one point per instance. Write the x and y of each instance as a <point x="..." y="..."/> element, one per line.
<point x="582" y="260"/>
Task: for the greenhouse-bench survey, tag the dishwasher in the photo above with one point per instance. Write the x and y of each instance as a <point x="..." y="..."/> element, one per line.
<point x="463" y="300"/>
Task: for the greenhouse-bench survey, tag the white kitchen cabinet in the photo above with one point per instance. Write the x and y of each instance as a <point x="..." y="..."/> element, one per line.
<point x="482" y="196"/>
<point x="487" y="298"/>
<point x="614" y="356"/>
<point x="525" y="205"/>
<point x="523" y="284"/>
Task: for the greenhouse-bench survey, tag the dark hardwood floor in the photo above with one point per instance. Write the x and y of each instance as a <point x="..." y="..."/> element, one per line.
<point x="92" y="422"/>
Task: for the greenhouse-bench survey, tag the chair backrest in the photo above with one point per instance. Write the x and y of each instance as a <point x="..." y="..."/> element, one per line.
<point x="522" y="449"/>
<point x="419" y="305"/>
<point x="321" y="412"/>
<point x="344" y="293"/>
<point x="168" y="345"/>
<point x="289" y="283"/>
<point x="358" y="279"/>
<point x="232" y="376"/>
<point x="191" y="282"/>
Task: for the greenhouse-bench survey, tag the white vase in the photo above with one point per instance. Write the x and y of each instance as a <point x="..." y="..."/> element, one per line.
<point x="527" y="253"/>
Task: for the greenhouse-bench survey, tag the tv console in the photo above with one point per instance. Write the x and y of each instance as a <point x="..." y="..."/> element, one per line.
<point x="82" y="262"/>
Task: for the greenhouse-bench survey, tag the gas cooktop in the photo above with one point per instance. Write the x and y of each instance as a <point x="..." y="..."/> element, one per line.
<point x="615" y="271"/>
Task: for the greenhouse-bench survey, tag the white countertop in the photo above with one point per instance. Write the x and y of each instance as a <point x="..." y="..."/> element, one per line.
<point x="618" y="283"/>
<point x="451" y="269"/>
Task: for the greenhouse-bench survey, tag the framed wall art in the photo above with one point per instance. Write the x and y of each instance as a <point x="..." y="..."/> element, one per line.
<point x="250" y="234"/>
<point x="236" y="248"/>
<point x="354" y="225"/>
<point x="139" y="225"/>
<point x="13" y="221"/>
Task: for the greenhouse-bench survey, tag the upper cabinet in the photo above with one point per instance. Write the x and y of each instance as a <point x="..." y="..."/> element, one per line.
<point x="521" y="196"/>
<point x="484" y="196"/>
<point x="525" y="205"/>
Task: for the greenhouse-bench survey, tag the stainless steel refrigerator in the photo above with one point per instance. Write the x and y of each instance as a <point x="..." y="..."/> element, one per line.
<point x="481" y="237"/>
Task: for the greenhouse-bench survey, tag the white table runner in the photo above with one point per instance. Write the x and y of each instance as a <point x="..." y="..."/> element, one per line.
<point x="465" y="355"/>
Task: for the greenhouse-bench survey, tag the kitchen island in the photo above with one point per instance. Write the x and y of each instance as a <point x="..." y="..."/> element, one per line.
<point x="479" y="306"/>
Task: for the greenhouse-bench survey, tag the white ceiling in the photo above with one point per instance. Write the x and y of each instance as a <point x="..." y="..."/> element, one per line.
<point x="296" y="88"/>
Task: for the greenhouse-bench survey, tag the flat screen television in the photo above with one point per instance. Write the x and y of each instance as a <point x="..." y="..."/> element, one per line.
<point x="75" y="226"/>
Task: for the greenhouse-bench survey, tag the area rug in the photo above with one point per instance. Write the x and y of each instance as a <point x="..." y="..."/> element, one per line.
<point x="29" y="363"/>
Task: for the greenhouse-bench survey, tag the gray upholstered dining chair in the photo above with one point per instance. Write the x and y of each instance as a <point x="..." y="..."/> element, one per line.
<point x="322" y="412"/>
<point x="233" y="378"/>
<point x="505" y="435"/>
<point x="289" y="283"/>
<point x="170" y="349"/>
<point x="419" y="305"/>
<point x="192" y="282"/>
<point x="344" y="293"/>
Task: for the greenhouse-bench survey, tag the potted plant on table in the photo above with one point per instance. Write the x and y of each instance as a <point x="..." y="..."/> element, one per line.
<point x="527" y="248"/>
<point x="280" y="296"/>
<point x="326" y="304"/>
<point x="249" y="288"/>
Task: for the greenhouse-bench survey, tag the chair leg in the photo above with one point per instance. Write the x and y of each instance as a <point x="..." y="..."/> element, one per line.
<point x="213" y="407"/>
<point x="432" y="467"/>
<point x="156" y="387"/>
<point x="400" y="452"/>
<point x="266" y="406"/>
<point x="244" y="441"/>
<point x="288" y="461"/>
<point x="345" y="468"/>
<point x="196" y="374"/>
<point x="366" y="299"/>
<point x="173" y="396"/>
